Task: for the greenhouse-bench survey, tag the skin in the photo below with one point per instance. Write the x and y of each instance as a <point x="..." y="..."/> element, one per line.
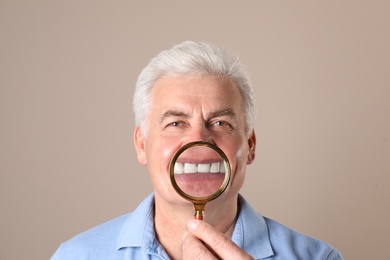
<point x="184" y="109"/>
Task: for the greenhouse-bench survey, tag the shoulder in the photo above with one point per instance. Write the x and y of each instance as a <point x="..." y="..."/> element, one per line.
<point x="296" y="245"/>
<point x="102" y="238"/>
<point x="263" y="237"/>
<point x="105" y="240"/>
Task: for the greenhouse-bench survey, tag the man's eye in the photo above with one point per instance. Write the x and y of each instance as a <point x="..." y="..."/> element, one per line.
<point x="221" y="123"/>
<point x="174" y="124"/>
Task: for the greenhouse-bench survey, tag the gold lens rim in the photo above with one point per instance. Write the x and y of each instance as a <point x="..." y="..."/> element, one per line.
<point x="222" y="188"/>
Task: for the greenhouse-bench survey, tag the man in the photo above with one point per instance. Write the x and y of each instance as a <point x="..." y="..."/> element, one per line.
<point x="193" y="92"/>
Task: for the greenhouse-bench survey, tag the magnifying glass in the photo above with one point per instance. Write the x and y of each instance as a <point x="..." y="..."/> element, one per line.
<point x="199" y="172"/>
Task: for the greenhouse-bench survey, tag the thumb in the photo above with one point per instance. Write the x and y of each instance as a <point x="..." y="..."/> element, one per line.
<point x="215" y="240"/>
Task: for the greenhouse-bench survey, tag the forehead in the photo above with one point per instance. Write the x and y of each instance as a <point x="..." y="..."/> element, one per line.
<point x="192" y="90"/>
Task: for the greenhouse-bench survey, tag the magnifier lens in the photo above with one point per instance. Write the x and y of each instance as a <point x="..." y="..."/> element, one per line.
<point x="199" y="171"/>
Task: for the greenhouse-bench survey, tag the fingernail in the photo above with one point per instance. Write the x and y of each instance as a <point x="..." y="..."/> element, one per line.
<point x="192" y="224"/>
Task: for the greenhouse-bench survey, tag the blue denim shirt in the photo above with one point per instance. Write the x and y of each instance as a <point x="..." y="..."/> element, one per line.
<point x="132" y="236"/>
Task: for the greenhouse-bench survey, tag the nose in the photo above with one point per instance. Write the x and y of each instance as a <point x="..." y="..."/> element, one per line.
<point x="200" y="133"/>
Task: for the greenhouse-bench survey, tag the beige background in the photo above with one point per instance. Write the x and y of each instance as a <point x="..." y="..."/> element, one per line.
<point x="322" y="81"/>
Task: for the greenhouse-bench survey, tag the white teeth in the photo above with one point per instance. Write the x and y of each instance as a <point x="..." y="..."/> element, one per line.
<point x="222" y="168"/>
<point x="216" y="167"/>
<point x="203" y="167"/>
<point x="190" y="168"/>
<point x="179" y="168"/>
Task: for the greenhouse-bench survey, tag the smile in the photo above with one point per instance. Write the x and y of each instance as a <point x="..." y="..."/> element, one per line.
<point x="183" y="168"/>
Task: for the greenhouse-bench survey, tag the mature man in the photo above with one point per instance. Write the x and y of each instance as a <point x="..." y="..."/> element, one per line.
<point x="193" y="92"/>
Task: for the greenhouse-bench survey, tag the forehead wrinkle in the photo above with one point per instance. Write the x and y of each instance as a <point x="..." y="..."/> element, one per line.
<point x="173" y="113"/>
<point x="223" y="112"/>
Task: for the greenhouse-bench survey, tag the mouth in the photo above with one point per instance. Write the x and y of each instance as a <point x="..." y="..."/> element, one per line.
<point x="186" y="168"/>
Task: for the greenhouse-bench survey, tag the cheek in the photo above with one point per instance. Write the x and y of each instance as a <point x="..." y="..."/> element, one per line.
<point x="160" y="153"/>
<point x="239" y="165"/>
<point x="237" y="155"/>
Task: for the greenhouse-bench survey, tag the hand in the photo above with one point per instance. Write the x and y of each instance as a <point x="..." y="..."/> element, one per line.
<point x="202" y="241"/>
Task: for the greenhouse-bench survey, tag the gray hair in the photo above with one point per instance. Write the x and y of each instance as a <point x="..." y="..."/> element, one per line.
<point x="194" y="58"/>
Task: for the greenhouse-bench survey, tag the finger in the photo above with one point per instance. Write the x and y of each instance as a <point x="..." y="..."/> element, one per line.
<point x="194" y="249"/>
<point x="217" y="241"/>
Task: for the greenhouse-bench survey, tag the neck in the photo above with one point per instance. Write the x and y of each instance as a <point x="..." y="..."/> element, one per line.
<point x="171" y="221"/>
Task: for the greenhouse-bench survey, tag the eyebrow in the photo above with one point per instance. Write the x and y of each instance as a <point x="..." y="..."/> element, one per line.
<point x="173" y="113"/>
<point x="218" y="113"/>
<point x="223" y="112"/>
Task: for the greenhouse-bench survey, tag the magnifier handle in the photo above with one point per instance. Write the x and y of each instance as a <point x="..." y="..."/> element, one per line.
<point x="199" y="214"/>
<point x="199" y="211"/>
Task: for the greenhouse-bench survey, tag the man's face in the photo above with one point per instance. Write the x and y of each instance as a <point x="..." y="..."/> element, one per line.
<point x="193" y="108"/>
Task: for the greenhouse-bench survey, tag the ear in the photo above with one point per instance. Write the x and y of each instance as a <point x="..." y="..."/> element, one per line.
<point x="252" y="147"/>
<point x="139" y="144"/>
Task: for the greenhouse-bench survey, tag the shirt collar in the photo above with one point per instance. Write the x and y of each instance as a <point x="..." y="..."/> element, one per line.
<point x="139" y="222"/>
<point x="250" y="232"/>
